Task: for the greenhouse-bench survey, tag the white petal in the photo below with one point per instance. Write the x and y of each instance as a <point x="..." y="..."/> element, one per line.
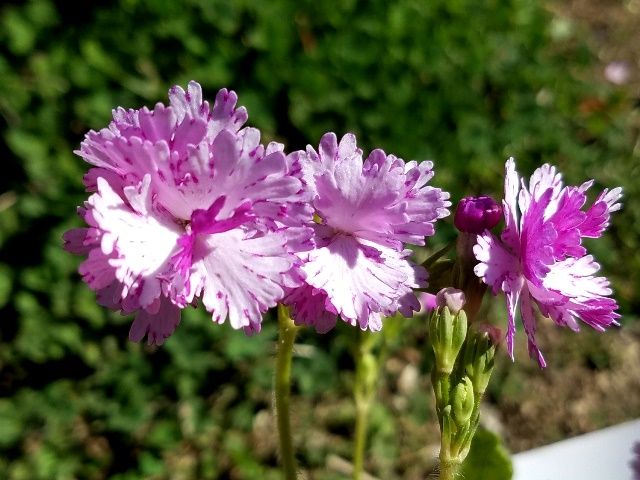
<point x="361" y="279"/>
<point x="240" y="277"/>
<point x="142" y="243"/>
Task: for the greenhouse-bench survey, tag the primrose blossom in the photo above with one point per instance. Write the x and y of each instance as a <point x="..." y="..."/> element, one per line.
<point x="366" y="211"/>
<point x="539" y="258"/>
<point x="186" y="205"/>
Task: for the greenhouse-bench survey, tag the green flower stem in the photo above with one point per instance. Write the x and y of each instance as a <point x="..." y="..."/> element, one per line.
<point x="440" y="380"/>
<point x="363" y="393"/>
<point x="362" y="424"/>
<point x="448" y="469"/>
<point x="449" y="461"/>
<point x="286" y="338"/>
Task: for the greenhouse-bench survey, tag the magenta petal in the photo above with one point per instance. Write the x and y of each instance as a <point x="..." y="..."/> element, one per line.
<point x="511" y="234"/>
<point x="382" y="198"/>
<point x="182" y="260"/>
<point x="536" y="239"/>
<point x="496" y="264"/>
<point x="253" y="328"/>
<point x="190" y="131"/>
<point x="80" y="240"/>
<point x="597" y="217"/>
<point x="110" y="296"/>
<point x="224" y="115"/>
<point x="513" y="289"/>
<point x="201" y="219"/>
<point x="572" y="291"/>
<point x="307" y="307"/>
<point x="540" y="259"/>
<point x="96" y="270"/>
<point x="427" y="302"/>
<point x="157" y="124"/>
<point x="205" y="222"/>
<point x="529" y="322"/>
<point x="158" y="326"/>
<point x="90" y="179"/>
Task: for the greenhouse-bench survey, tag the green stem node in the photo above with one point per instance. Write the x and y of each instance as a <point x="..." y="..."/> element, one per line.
<point x="448" y="469"/>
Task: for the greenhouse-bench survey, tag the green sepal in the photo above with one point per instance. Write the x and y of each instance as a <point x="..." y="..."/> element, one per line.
<point x="478" y="361"/>
<point x="447" y="333"/>
<point x="463" y="401"/>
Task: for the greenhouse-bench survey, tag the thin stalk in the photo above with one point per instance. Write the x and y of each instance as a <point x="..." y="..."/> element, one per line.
<point x="363" y="392"/>
<point x="448" y="470"/>
<point x="360" y="441"/>
<point x="286" y="338"/>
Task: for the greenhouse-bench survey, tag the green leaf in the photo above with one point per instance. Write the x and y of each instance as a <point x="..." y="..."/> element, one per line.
<point x="488" y="458"/>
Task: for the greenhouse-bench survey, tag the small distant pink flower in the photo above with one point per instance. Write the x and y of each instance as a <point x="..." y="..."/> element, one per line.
<point x="367" y="210"/>
<point x="188" y="205"/>
<point x="617" y="73"/>
<point x="539" y="258"/>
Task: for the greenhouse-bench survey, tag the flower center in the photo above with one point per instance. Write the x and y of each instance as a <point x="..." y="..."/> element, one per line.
<point x="205" y="222"/>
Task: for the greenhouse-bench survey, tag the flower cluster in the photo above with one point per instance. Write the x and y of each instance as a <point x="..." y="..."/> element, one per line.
<point x="539" y="257"/>
<point x="186" y="204"/>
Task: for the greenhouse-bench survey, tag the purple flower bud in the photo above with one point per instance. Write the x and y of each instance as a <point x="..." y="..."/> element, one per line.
<point x="494" y="333"/>
<point x="452" y="298"/>
<point x="477" y="214"/>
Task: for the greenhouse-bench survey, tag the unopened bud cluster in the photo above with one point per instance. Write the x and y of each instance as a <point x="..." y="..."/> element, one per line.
<point x="463" y="365"/>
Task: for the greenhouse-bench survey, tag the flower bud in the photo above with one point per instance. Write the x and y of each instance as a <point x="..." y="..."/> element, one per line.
<point x="479" y="356"/>
<point x="447" y="332"/>
<point x="495" y="333"/>
<point x="477" y="214"/>
<point x="463" y="402"/>
<point x="472" y="217"/>
<point x="452" y="298"/>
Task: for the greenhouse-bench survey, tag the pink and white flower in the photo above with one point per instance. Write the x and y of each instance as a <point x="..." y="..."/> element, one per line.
<point x="539" y="258"/>
<point x="188" y="205"/>
<point x="367" y="210"/>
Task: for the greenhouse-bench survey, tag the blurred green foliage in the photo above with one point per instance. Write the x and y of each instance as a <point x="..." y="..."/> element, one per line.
<point x="462" y="82"/>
